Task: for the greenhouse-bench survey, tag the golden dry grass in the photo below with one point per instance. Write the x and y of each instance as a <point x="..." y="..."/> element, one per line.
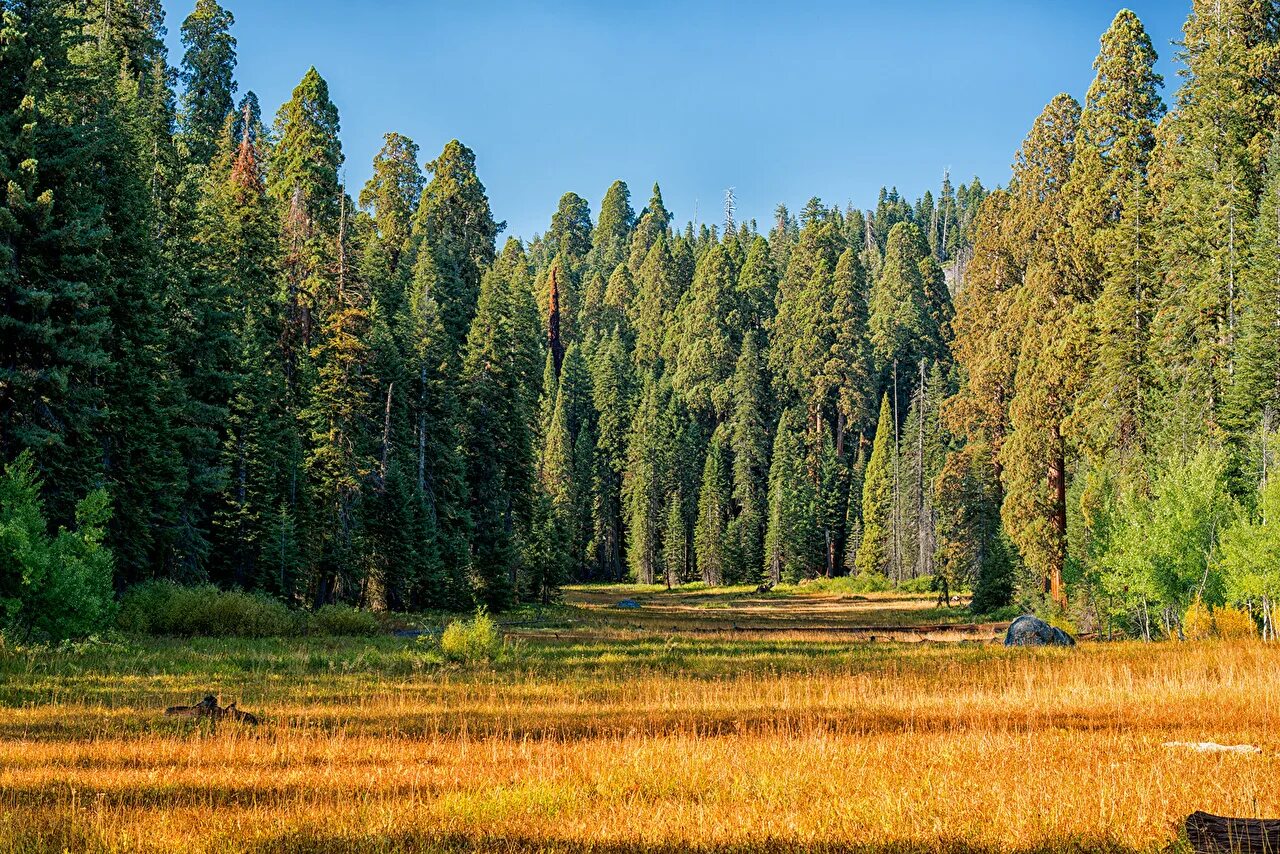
<point x="664" y="744"/>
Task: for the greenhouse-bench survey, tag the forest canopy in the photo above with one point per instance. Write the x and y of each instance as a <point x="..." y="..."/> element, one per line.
<point x="220" y="364"/>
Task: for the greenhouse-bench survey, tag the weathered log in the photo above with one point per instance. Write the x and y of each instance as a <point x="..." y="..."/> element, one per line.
<point x="1215" y="834"/>
<point x="209" y="708"/>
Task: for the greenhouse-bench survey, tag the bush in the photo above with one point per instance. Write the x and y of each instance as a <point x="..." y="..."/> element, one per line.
<point x="53" y="587"/>
<point x="1234" y="623"/>
<point x="344" y="621"/>
<point x="923" y="584"/>
<point x="165" y="608"/>
<point x="471" y="641"/>
<point x="1197" y="622"/>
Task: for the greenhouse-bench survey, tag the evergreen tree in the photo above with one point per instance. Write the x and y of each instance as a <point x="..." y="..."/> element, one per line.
<point x="710" y="542"/>
<point x="749" y="441"/>
<point x="208" y="78"/>
<point x="499" y="371"/>
<point x="454" y="225"/>
<point x="612" y="399"/>
<point x="1048" y="307"/>
<point x="392" y="196"/>
<point x="708" y="340"/>
<point x="643" y="484"/>
<point x="1111" y="221"/>
<point x="612" y="234"/>
<point x="54" y="326"/>
<point x="790" y="546"/>
<point x="878" y="552"/>
<point x="1206" y="178"/>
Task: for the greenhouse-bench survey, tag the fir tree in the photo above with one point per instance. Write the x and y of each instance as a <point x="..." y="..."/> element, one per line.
<point x="789" y="546"/>
<point x="749" y="441"/>
<point x="877" y="552"/>
<point x="710" y="541"/>
<point x="208" y="77"/>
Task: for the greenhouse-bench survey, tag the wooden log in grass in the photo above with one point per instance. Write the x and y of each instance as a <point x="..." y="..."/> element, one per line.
<point x="1215" y="834"/>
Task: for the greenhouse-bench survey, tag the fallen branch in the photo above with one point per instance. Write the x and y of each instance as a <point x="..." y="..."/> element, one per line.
<point x="209" y="708"/>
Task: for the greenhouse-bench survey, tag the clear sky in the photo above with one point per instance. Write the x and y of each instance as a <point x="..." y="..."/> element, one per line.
<point x="781" y="101"/>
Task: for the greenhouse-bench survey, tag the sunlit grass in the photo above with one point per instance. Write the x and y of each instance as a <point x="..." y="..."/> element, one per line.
<point x="635" y="744"/>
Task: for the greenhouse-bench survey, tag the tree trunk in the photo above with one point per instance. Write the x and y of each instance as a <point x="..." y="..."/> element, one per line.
<point x="1058" y="490"/>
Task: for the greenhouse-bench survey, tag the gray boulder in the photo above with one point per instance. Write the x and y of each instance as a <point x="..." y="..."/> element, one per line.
<point x="1032" y="631"/>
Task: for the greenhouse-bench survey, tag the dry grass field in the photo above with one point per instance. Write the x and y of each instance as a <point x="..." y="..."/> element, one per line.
<point x="599" y="734"/>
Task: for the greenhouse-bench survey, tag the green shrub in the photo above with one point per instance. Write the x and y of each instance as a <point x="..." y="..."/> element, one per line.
<point x="165" y="608"/>
<point x="344" y="621"/>
<point x="922" y="584"/>
<point x="471" y="641"/>
<point x="53" y="587"/>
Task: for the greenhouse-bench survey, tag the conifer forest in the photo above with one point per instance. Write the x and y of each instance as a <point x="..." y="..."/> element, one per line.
<point x="1059" y="389"/>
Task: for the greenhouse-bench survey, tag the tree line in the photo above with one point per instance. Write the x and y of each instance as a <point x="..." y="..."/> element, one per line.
<point x="1059" y="392"/>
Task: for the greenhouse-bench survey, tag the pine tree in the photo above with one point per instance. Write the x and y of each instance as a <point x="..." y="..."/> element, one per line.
<point x="877" y="554"/>
<point x="612" y="399"/>
<point x="1112" y="233"/>
<point x="1255" y="392"/>
<point x="656" y="298"/>
<point x="434" y="415"/>
<point x="392" y="196"/>
<point x="710" y="542"/>
<point x="708" y="340"/>
<point x="568" y="460"/>
<point x="749" y="441"/>
<point x="643" y="484"/>
<point x="340" y="456"/>
<point x="609" y="241"/>
<point x="499" y="371"/>
<point x="208" y="78"/>
<point x="790" y="547"/>
<point x="54" y="326"/>
<point x="570" y="232"/>
<point x="1206" y="179"/>
<point x="1052" y="358"/>
<point x="454" y="224"/>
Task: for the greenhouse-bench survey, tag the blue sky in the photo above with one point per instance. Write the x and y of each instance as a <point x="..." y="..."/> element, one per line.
<point x="781" y="101"/>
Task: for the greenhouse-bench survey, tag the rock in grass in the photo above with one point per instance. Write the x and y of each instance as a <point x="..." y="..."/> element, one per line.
<point x="627" y="604"/>
<point x="1032" y="631"/>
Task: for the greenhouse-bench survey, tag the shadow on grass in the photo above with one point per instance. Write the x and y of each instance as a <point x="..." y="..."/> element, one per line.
<point x="425" y="843"/>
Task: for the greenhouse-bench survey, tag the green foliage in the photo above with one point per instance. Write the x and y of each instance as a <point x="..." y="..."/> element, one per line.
<point x="1248" y="549"/>
<point x="165" y="608"/>
<point x="790" y="546"/>
<point x="343" y="621"/>
<point x="1162" y="542"/>
<point x="52" y="587"/>
<point x="474" y="641"/>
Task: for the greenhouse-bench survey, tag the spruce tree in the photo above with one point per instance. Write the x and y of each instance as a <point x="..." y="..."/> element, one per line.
<point x="454" y="225"/>
<point x="749" y="441"/>
<point x="54" y="328"/>
<point x="710" y="542"/>
<point x="790" y="547"/>
<point x="500" y="370"/>
<point x="877" y="554"/>
<point x="1113" y="237"/>
<point x="208" y="78"/>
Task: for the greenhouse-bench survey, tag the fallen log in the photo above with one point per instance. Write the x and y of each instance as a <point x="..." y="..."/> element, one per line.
<point x="209" y="708"/>
<point x="1215" y="834"/>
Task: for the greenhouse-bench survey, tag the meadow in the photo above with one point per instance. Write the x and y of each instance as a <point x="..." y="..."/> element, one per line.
<point x="703" y="720"/>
